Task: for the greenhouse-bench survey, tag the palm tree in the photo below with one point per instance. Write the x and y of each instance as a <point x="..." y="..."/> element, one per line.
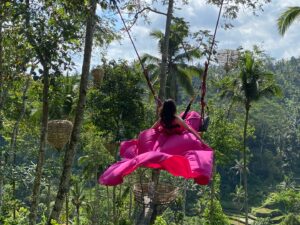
<point x="238" y="167"/>
<point x="255" y="84"/>
<point x="251" y="84"/>
<point x="179" y="72"/>
<point x="165" y="51"/>
<point x="287" y="18"/>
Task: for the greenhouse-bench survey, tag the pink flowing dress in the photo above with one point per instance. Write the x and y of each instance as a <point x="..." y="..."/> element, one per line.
<point x="179" y="152"/>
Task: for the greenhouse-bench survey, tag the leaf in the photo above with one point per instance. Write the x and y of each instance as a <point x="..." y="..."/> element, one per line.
<point x="287" y="18"/>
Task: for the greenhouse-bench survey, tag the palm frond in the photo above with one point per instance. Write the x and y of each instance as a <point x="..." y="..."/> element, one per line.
<point x="147" y="58"/>
<point x="152" y="67"/>
<point x="188" y="55"/>
<point x="185" y="80"/>
<point x="270" y="90"/>
<point x="157" y="34"/>
<point x="191" y="71"/>
<point x="287" y="18"/>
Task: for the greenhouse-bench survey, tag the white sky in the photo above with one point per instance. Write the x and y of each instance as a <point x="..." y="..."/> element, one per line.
<point x="248" y="30"/>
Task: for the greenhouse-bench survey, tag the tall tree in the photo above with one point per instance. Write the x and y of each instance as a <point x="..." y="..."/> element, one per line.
<point x="165" y="51"/>
<point x="252" y="84"/>
<point x="287" y="18"/>
<point x="71" y="148"/>
<point x="53" y="30"/>
<point x="180" y="72"/>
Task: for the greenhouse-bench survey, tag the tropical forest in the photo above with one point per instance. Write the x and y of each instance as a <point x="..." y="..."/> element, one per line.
<point x="139" y="112"/>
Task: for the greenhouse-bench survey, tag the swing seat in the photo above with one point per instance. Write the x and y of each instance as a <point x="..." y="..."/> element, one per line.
<point x="204" y="126"/>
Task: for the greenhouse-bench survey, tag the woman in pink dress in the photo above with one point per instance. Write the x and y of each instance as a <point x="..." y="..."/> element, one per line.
<point x="171" y="144"/>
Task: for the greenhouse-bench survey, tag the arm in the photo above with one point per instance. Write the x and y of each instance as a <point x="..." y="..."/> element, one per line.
<point x="156" y="124"/>
<point x="187" y="127"/>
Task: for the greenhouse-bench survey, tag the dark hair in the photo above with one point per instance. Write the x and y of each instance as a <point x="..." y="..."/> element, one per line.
<point x="167" y="113"/>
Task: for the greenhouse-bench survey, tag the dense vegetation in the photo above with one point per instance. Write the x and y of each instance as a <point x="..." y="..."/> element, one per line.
<point x="254" y="108"/>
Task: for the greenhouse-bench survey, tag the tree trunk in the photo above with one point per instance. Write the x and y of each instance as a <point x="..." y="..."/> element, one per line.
<point x="108" y="205"/>
<point x="13" y="141"/>
<point x="96" y="202"/>
<point x="41" y="157"/>
<point x="212" y="194"/>
<point x="48" y="198"/>
<point x="71" y="148"/>
<point x="78" y="215"/>
<point x="1" y="85"/>
<point x="67" y="209"/>
<point x="162" y="94"/>
<point x="185" y="183"/>
<point x="1" y="63"/>
<point x="247" y="107"/>
<point x="130" y="204"/>
<point x="114" y="201"/>
<point x="165" y="52"/>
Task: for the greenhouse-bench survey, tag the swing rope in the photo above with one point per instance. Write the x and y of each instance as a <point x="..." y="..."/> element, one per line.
<point x="203" y="86"/>
<point x="204" y="74"/>
<point x="145" y="71"/>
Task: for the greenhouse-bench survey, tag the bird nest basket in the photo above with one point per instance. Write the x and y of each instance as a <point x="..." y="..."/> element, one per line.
<point x="98" y="75"/>
<point x="164" y="194"/>
<point x="59" y="132"/>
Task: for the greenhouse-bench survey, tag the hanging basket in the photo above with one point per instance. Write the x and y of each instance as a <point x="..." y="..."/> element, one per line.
<point x="165" y="193"/>
<point x="98" y="75"/>
<point x="59" y="132"/>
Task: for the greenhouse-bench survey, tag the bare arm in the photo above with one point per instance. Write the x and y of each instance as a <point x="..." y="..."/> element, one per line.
<point x="187" y="127"/>
<point x="156" y="124"/>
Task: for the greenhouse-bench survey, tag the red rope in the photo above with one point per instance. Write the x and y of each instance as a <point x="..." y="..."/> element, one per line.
<point x="203" y="90"/>
<point x="204" y="75"/>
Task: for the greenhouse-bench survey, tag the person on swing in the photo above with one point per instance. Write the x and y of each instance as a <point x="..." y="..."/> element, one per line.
<point x="170" y="123"/>
<point x="171" y="144"/>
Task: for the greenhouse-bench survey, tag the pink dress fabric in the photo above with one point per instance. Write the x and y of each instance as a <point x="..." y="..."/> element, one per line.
<point x="179" y="153"/>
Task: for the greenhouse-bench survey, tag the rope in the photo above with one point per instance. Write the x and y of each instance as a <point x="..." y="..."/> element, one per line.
<point x="203" y="91"/>
<point x="204" y="75"/>
<point x="145" y="71"/>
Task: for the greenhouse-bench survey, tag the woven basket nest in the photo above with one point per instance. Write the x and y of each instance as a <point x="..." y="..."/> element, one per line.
<point x="164" y="194"/>
<point x="98" y="75"/>
<point x="59" y="132"/>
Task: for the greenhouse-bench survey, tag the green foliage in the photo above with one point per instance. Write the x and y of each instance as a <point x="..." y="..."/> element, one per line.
<point x="291" y="219"/>
<point x="179" y="71"/>
<point x="209" y="205"/>
<point x="116" y="107"/>
<point x="21" y="217"/>
<point x="63" y="96"/>
<point x="214" y="214"/>
<point x="54" y="222"/>
<point x="224" y="136"/>
<point x="96" y="156"/>
<point x="119" y="109"/>
<point x="262" y="221"/>
<point x="160" y="221"/>
<point x="286" y="200"/>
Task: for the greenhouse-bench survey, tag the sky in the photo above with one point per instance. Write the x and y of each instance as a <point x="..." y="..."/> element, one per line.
<point x="248" y="30"/>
